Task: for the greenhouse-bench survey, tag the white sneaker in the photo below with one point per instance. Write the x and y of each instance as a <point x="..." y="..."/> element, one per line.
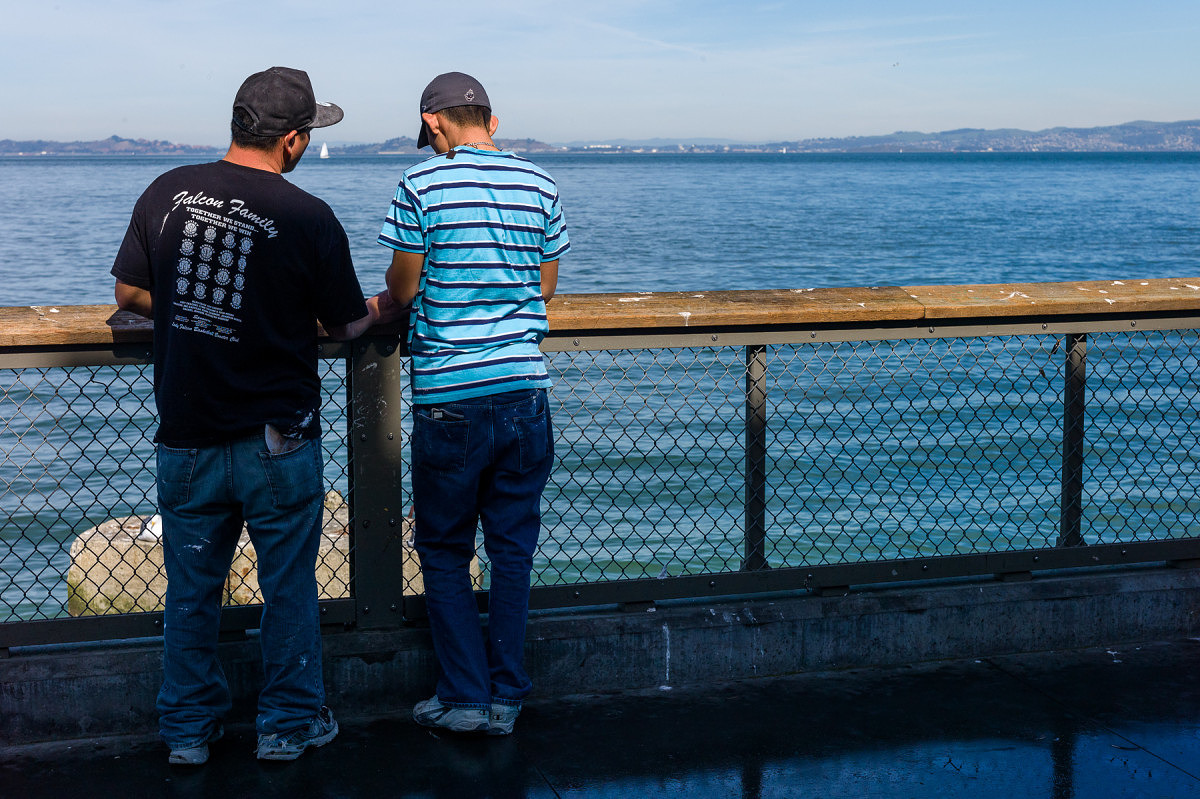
<point x="502" y="718"/>
<point x="432" y="713"/>
<point x="195" y="755"/>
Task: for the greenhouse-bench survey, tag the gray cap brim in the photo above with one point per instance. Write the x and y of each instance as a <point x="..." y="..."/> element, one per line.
<point x="327" y="114"/>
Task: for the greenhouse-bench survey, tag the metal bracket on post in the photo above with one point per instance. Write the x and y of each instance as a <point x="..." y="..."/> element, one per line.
<point x="1074" y="416"/>
<point x="375" y="409"/>
<point x="755" y="558"/>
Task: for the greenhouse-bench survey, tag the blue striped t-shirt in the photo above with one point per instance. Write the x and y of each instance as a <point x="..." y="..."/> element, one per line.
<point x="485" y="222"/>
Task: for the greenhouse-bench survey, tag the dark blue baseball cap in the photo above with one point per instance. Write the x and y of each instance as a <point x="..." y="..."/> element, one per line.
<point x="446" y="91"/>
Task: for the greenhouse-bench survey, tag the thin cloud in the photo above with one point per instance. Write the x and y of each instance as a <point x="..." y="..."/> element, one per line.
<point x="855" y="25"/>
<point x="634" y="36"/>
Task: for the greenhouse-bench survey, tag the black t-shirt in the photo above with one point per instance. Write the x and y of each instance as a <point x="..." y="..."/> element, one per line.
<point x="241" y="264"/>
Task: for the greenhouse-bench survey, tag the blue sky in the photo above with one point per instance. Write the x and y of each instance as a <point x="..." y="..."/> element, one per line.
<point x="564" y="71"/>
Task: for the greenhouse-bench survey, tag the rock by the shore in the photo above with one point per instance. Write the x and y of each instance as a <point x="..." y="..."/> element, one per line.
<point x="117" y="566"/>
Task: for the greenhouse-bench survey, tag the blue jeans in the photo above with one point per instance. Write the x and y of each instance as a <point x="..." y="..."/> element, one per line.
<point x="482" y="460"/>
<point x="204" y="495"/>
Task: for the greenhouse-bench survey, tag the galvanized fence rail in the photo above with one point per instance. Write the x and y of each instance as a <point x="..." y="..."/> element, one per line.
<point x="707" y="445"/>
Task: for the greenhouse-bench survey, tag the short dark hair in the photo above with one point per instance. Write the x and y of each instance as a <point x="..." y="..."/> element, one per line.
<point x="246" y="139"/>
<point x="467" y="116"/>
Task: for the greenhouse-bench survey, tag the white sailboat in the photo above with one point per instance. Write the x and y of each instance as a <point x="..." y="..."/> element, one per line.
<point x="324" y="150"/>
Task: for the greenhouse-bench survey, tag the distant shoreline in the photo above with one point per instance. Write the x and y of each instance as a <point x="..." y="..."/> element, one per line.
<point x="1131" y="137"/>
<point x="649" y="153"/>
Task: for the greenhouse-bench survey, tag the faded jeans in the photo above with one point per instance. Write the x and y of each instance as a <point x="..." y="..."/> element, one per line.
<point x="204" y="495"/>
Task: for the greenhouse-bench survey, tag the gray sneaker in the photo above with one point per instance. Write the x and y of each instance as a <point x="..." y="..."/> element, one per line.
<point x="320" y="730"/>
<point x="502" y="718"/>
<point x="432" y="713"/>
<point x="195" y="755"/>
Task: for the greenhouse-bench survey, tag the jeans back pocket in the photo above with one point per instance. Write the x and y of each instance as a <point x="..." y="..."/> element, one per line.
<point x="536" y="440"/>
<point x="294" y="476"/>
<point x="439" y="444"/>
<point x="174" y="475"/>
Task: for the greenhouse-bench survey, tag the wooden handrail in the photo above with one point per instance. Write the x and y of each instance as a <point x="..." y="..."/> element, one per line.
<point x="76" y="325"/>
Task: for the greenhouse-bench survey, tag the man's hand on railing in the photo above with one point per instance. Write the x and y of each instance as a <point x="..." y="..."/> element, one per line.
<point x="387" y="308"/>
<point x="380" y="309"/>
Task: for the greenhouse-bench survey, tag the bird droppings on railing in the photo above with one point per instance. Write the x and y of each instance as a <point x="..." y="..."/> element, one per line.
<point x="42" y="314"/>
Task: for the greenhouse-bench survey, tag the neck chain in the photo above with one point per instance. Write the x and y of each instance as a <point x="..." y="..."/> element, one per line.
<point x="478" y="144"/>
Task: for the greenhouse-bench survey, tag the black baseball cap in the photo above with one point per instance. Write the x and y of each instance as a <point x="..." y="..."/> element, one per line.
<point x="446" y="91"/>
<point x="277" y="101"/>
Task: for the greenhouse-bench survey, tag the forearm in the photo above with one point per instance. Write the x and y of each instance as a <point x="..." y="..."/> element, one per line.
<point x="352" y="330"/>
<point x="549" y="279"/>
<point x="404" y="276"/>
<point x="133" y="299"/>
<point x="380" y="309"/>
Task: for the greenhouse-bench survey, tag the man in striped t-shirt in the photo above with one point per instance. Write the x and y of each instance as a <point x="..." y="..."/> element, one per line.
<point x="477" y="233"/>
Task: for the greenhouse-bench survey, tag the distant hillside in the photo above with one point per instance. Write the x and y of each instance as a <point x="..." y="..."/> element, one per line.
<point x="113" y="145"/>
<point x="1130" y="137"/>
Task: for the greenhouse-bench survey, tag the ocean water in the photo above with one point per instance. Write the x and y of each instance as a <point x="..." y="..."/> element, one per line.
<point x="894" y="449"/>
<point x="700" y="222"/>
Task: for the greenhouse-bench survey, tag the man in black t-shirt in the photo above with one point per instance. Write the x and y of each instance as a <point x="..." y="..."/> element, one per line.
<point x="236" y="266"/>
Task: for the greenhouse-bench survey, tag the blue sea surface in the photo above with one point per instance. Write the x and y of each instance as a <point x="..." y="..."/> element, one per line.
<point x="699" y="222"/>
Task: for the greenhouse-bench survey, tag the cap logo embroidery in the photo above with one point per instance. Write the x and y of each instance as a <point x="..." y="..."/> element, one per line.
<point x="469" y="96"/>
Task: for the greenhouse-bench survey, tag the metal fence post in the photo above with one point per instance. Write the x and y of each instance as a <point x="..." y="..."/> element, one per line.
<point x="1074" y="416"/>
<point x="755" y="557"/>
<point x="375" y="409"/>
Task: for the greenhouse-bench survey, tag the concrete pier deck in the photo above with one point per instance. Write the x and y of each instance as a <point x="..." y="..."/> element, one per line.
<point x="1104" y="722"/>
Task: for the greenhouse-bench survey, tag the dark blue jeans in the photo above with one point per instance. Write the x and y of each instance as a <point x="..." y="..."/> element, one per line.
<point x="204" y="495"/>
<point x="481" y="461"/>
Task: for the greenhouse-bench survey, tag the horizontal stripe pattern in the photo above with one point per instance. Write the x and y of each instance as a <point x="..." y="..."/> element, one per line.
<point x="486" y="222"/>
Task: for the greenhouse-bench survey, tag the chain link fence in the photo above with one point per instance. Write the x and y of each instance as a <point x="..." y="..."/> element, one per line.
<point x="875" y="451"/>
<point x="864" y="452"/>
<point x="77" y="487"/>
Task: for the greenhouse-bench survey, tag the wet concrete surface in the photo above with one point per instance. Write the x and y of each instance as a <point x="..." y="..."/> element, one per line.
<point x="1117" y="722"/>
